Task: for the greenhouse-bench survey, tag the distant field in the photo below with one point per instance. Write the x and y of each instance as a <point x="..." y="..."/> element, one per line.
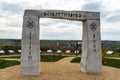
<point x="6" y="42"/>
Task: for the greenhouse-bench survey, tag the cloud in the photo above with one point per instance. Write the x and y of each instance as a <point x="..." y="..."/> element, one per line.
<point x="62" y="26"/>
<point x="92" y="6"/>
<point x="110" y="35"/>
<point x="12" y="21"/>
<point x="61" y="29"/>
<point x="10" y="32"/>
<point x="113" y="16"/>
<point x="2" y="31"/>
<point x="61" y="33"/>
<point x="11" y="13"/>
<point x="11" y="29"/>
<point x="46" y="22"/>
<point x="11" y="8"/>
<point x="108" y="26"/>
<point x="10" y="35"/>
<point x="11" y="17"/>
<point x="57" y="4"/>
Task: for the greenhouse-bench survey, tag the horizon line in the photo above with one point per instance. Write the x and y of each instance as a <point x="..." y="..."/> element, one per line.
<point x="58" y="39"/>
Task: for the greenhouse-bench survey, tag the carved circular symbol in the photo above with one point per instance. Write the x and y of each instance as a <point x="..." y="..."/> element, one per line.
<point x="93" y="26"/>
<point x="30" y="24"/>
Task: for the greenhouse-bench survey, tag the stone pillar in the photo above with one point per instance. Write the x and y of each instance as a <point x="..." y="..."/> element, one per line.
<point x="30" y="56"/>
<point x="91" y="47"/>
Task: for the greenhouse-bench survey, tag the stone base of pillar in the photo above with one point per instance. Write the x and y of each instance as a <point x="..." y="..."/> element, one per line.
<point x="30" y="71"/>
<point x="30" y="67"/>
<point x="91" y="67"/>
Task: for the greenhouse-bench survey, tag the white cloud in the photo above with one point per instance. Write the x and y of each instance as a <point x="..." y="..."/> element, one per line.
<point x="115" y="37"/>
<point x="11" y="17"/>
<point x="111" y="5"/>
<point x="11" y="29"/>
<point x="60" y="30"/>
<point x="11" y="35"/>
<point x="109" y="26"/>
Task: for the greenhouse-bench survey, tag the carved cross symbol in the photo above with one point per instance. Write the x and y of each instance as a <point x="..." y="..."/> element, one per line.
<point x="30" y="24"/>
<point x="93" y="26"/>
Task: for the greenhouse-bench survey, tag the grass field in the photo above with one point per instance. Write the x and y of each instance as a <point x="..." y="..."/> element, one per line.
<point x="7" y="63"/>
<point x="10" y="57"/>
<point x="44" y="58"/>
<point x="53" y="58"/>
<point x="108" y="62"/>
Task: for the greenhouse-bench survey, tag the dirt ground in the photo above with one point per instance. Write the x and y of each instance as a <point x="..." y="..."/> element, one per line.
<point x="60" y="70"/>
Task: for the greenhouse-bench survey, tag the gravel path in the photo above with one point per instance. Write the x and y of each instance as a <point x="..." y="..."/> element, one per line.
<point x="60" y="70"/>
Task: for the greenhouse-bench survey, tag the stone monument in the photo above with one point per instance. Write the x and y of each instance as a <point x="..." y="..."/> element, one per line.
<point x="91" y="40"/>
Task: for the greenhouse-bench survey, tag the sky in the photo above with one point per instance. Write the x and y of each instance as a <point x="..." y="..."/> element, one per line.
<point x="11" y="18"/>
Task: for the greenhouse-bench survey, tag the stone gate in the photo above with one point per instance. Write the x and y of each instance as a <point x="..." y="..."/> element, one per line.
<point x="91" y="39"/>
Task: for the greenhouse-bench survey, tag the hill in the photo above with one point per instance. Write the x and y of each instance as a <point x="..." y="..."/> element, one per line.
<point x="6" y="42"/>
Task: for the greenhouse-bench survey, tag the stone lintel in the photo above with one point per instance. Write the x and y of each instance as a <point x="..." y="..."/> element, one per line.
<point x="61" y="14"/>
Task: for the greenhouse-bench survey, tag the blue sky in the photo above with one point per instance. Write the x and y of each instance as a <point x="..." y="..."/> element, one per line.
<point x="11" y="18"/>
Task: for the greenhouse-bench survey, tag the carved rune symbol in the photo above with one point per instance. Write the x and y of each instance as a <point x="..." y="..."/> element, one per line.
<point x="30" y="24"/>
<point x="93" y="26"/>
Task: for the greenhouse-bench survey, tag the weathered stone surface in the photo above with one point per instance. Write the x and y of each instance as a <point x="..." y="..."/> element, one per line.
<point x="30" y="56"/>
<point x="92" y="15"/>
<point x="61" y="14"/>
<point x="91" y="47"/>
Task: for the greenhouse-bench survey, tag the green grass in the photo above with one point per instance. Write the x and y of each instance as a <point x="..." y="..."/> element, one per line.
<point x="5" y="42"/>
<point x="109" y="62"/>
<point x="7" y="63"/>
<point x="44" y="58"/>
<point x="76" y="60"/>
<point x="51" y="58"/>
<point x="11" y="57"/>
<point x="112" y="62"/>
